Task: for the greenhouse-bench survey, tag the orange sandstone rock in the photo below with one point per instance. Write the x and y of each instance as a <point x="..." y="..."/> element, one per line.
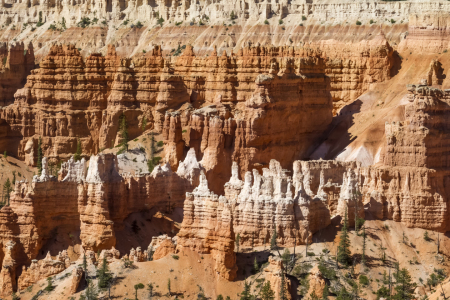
<point x="272" y="274"/>
<point x="77" y="275"/>
<point x="207" y="228"/>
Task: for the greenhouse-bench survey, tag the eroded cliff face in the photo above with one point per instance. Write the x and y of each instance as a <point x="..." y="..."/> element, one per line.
<point x="208" y="228"/>
<point x="225" y="107"/>
<point x="16" y="63"/>
<point x="95" y="204"/>
<point x="295" y="206"/>
<point x="412" y="184"/>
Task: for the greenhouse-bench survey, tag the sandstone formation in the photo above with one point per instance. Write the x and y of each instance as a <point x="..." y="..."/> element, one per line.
<point x="254" y="209"/>
<point x="137" y="255"/>
<point x="8" y="282"/>
<point x="422" y="36"/>
<point x="220" y="12"/>
<point x="316" y="282"/>
<point x="207" y="228"/>
<point x="295" y="206"/>
<point x="110" y="255"/>
<point x="272" y="274"/>
<point x="228" y="106"/>
<point x="77" y="274"/>
<point x="16" y="64"/>
<point x="96" y="204"/>
<point x="40" y="269"/>
<point x="161" y="246"/>
<point x="411" y="185"/>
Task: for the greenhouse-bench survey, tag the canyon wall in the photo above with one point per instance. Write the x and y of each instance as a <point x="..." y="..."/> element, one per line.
<point x="207" y="228"/>
<point x="408" y="186"/>
<point x="411" y="186"/>
<point x="68" y="14"/>
<point x="225" y="107"/>
<point x="16" y="64"/>
<point x="94" y="203"/>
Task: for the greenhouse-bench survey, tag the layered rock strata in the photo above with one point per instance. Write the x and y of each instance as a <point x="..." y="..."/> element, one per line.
<point x="272" y="274"/>
<point x="94" y="204"/>
<point x="16" y="64"/>
<point x="228" y="106"/>
<point x="295" y="207"/>
<point x="69" y="14"/>
<point x="40" y="269"/>
<point x="412" y="184"/>
<point x="207" y="228"/>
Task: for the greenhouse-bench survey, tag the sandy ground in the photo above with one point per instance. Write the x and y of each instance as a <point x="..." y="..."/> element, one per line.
<point x="9" y="165"/>
<point x="192" y="270"/>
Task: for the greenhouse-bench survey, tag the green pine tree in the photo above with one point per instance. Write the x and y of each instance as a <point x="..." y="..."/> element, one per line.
<point x="49" y="286"/>
<point x="144" y="123"/>
<point x="103" y="275"/>
<point x="266" y="292"/>
<point x="273" y="240"/>
<point x="91" y="292"/>
<point x="383" y="292"/>
<point x="137" y="287"/>
<point x="77" y="155"/>
<point x="84" y="263"/>
<point x="39" y="157"/>
<point x="283" y="291"/>
<point x="123" y="131"/>
<point x="219" y="297"/>
<point x="363" y="255"/>
<point x="344" y="255"/>
<point x="168" y="287"/>
<point x="150" y="290"/>
<point x="7" y="189"/>
<point x="246" y="295"/>
<point x="404" y="286"/>
<point x="255" y="266"/>
<point x="325" y="293"/>
<point x="344" y="295"/>
<point x="286" y="257"/>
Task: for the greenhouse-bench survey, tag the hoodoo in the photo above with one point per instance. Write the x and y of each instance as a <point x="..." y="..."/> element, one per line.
<point x="224" y="150"/>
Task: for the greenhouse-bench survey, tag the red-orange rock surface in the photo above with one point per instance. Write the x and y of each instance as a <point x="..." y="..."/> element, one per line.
<point x="207" y="228"/>
<point x="272" y="274"/>
<point x="40" y="269"/>
<point x="70" y="98"/>
<point x="162" y="246"/>
<point x="411" y="185"/>
<point x="16" y="64"/>
<point x="95" y="205"/>
<point x="77" y="274"/>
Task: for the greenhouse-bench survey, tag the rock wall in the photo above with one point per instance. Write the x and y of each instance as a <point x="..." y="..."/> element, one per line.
<point x="272" y="274"/>
<point x="427" y="33"/>
<point x="412" y="184"/>
<point x="207" y="228"/>
<point x="95" y="204"/>
<point x="16" y="64"/>
<point x="65" y="14"/>
<point x="230" y="106"/>
<point x="296" y="207"/>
